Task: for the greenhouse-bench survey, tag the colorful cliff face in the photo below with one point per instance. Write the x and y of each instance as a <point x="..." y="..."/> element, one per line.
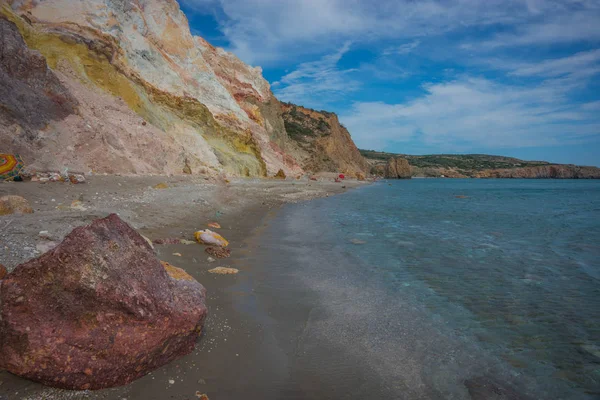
<point x="134" y="92"/>
<point x="325" y="144"/>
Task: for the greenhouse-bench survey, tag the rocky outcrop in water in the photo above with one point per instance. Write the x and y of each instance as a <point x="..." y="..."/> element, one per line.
<point x="99" y="310"/>
<point x="325" y="144"/>
<point x="397" y="168"/>
<point x="543" y="172"/>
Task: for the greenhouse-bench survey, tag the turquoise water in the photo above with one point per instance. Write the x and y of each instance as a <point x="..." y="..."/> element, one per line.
<point x="432" y="282"/>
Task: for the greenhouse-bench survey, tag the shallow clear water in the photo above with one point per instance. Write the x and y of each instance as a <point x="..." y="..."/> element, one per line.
<point x="433" y="282"/>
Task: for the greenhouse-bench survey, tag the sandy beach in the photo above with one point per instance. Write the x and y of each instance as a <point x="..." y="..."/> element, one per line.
<point x="234" y="355"/>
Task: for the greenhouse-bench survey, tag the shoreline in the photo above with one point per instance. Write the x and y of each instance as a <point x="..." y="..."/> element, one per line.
<point x="234" y="338"/>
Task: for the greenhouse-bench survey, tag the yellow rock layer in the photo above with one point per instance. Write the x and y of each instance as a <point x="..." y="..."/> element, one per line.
<point x="238" y="152"/>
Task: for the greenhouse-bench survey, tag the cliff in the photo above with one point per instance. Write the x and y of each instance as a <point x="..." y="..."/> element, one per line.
<point x="323" y="143"/>
<point x="130" y="90"/>
<point x="480" y="166"/>
<point x="124" y="87"/>
<point x="544" y="172"/>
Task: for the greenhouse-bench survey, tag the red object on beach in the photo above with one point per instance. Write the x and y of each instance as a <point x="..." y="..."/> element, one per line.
<point x="342" y="176"/>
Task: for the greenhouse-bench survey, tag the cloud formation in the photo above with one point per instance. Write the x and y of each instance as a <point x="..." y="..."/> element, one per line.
<point x="311" y="80"/>
<point x="269" y="31"/>
<point x="476" y="112"/>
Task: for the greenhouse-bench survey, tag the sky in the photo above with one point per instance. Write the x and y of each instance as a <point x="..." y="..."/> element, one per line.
<point x="518" y="78"/>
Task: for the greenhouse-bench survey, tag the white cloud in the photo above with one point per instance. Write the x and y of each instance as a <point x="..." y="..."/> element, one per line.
<point x="475" y="112"/>
<point x="316" y="82"/>
<point x="275" y="31"/>
<point x="402" y="49"/>
<point x="559" y="27"/>
<point x="580" y="64"/>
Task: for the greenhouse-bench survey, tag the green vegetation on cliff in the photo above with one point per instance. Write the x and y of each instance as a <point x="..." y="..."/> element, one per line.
<point x="300" y="125"/>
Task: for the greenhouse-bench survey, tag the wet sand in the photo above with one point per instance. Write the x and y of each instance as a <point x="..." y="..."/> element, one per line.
<point x="237" y="355"/>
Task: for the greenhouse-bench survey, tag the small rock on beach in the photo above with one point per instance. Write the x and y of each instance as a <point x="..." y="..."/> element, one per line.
<point x="14" y="205"/>
<point x="209" y="237"/>
<point x="224" y="271"/>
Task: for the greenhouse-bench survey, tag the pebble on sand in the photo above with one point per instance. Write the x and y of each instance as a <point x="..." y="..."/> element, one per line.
<point x="224" y="271"/>
<point x="78" y="205"/>
<point x="218" y="252"/>
<point x="14" y="205"/>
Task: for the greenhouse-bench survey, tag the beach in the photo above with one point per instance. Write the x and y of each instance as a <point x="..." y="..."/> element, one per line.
<point x="235" y="355"/>
<point x="422" y="289"/>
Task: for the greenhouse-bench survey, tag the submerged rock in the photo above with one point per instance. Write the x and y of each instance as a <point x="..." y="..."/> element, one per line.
<point x="209" y="237"/>
<point x="14" y="205"/>
<point x="97" y="311"/>
<point x="484" y="388"/>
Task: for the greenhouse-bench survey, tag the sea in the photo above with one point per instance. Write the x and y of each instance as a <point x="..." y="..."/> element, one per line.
<point x="438" y="289"/>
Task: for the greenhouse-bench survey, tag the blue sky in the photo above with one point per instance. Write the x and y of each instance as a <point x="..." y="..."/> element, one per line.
<point x="510" y="77"/>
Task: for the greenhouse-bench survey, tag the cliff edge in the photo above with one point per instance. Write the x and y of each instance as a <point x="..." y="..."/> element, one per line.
<point x="323" y="143"/>
<point x="133" y="92"/>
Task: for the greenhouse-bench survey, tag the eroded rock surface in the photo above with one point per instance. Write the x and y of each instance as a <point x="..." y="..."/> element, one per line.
<point x="97" y="311"/>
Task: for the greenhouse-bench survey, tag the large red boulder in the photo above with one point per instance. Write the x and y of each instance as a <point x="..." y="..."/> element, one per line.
<point x="97" y="311"/>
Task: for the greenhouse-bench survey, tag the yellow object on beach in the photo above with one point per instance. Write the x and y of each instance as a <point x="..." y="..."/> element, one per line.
<point x="209" y="237"/>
